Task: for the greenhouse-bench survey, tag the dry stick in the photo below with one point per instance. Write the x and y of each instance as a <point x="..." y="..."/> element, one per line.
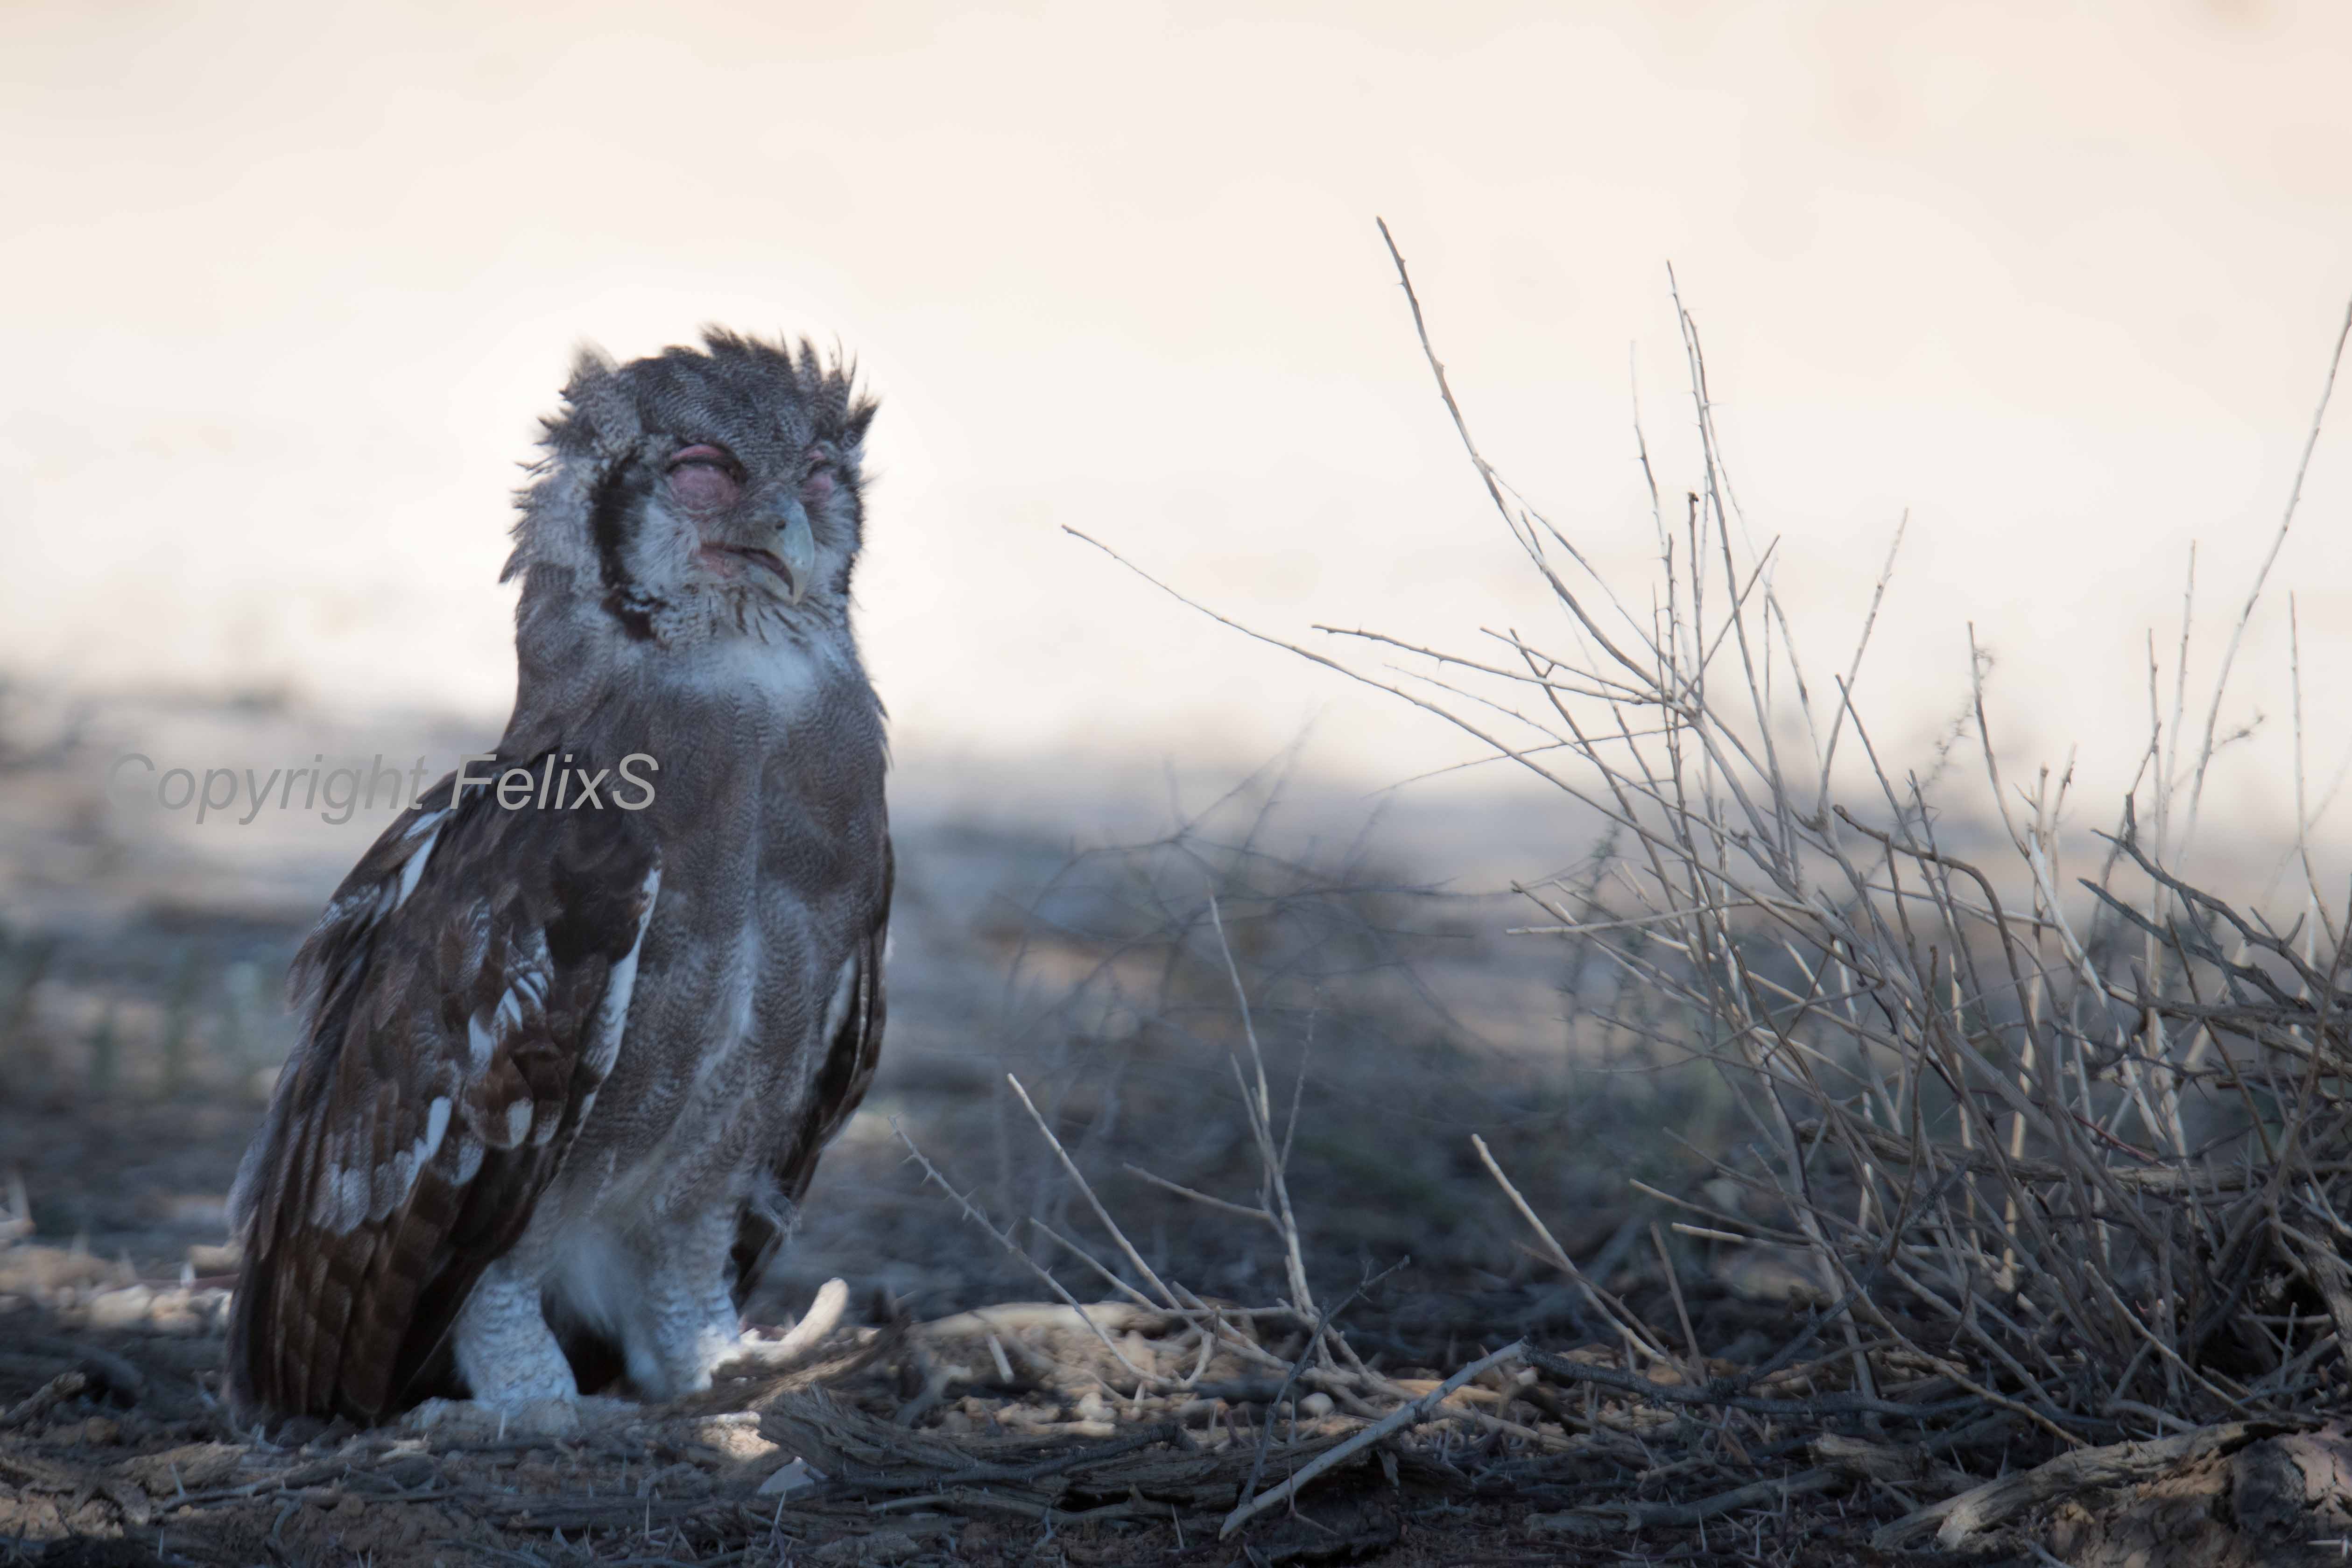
<point x="1719" y="487"/>
<point x="2238" y="632"/>
<point x="1241" y="1209"/>
<point x="1093" y="1202"/>
<point x="1674" y="1284"/>
<point x="1403" y="1416"/>
<point x="1589" y="926"/>
<point x="1487" y="475"/>
<point x="42" y="1400"/>
<point x="1757" y="1231"/>
<point x="2304" y="820"/>
<point x="1091" y="1262"/>
<point x="1261" y="1114"/>
<point x="2167" y="770"/>
<point x="1961" y="1517"/>
<point x="1852" y="670"/>
<point x="2027" y="1053"/>
<point x="1606" y="688"/>
<point x="1619" y="1317"/>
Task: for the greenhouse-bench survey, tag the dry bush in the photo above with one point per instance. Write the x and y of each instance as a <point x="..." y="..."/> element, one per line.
<point x="2079" y="1147"/>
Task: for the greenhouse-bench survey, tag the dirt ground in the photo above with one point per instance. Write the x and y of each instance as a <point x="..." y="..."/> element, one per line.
<point x="984" y="1438"/>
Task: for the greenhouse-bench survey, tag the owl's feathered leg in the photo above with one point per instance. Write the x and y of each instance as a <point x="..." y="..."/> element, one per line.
<point x="688" y="1330"/>
<point x="674" y="1316"/>
<point x="514" y="1368"/>
<point x="506" y="1352"/>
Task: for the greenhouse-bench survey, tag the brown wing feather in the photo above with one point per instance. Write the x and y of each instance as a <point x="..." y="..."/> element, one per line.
<point x="463" y="997"/>
<point x="841" y="1084"/>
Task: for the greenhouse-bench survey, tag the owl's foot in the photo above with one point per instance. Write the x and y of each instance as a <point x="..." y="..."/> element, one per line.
<point x="757" y="1351"/>
<point x="448" y="1422"/>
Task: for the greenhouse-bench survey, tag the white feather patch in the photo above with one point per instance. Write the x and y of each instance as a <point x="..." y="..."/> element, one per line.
<point x="612" y="1012"/>
<point x="845" y="991"/>
<point x="352" y="1192"/>
<point x="414" y="871"/>
<point x="509" y="1017"/>
<point x="436" y="1127"/>
<point x="757" y="675"/>
<point x="479" y="1042"/>
<point x="394" y="1180"/>
<point x="324" y="1197"/>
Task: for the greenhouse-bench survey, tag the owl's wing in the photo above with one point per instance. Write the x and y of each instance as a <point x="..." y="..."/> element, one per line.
<point x="841" y="1084"/>
<point x="463" y="997"/>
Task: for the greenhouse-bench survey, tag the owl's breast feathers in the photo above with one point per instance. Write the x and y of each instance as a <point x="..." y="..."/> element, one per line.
<point x="463" y="997"/>
<point x="852" y="1051"/>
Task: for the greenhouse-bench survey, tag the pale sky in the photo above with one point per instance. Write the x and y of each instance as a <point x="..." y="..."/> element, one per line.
<point x="287" y="285"/>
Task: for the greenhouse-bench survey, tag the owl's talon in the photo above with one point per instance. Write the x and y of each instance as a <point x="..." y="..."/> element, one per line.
<point x="823" y="1317"/>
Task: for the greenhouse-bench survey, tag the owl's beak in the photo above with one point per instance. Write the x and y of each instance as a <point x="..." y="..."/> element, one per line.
<point x="796" y="547"/>
<point x="792" y="560"/>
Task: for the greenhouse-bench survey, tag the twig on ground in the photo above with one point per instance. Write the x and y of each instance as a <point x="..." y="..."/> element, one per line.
<point x="65" y="1386"/>
<point x="1404" y="1416"/>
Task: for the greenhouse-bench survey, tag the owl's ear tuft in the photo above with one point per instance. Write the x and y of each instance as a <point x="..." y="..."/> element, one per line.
<point x="588" y="362"/>
<point x="599" y="414"/>
<point x="832" y="384"/>
<point x="862" y="407"/>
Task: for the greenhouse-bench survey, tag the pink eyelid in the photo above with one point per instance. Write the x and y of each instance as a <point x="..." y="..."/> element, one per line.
<point x="699" y="453"/>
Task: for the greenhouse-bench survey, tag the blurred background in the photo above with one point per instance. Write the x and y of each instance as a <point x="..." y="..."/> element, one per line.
<point x="288" y="287"/>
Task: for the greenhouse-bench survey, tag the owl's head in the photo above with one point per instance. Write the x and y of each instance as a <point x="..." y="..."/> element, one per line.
<point x="697" y="493"/>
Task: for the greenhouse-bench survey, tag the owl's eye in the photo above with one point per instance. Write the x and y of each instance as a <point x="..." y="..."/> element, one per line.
<point x="704" y="478"/>
<point x="822" y="472"/>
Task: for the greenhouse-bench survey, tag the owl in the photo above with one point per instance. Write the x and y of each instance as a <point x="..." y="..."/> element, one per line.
<point x="575" y="1029"/>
